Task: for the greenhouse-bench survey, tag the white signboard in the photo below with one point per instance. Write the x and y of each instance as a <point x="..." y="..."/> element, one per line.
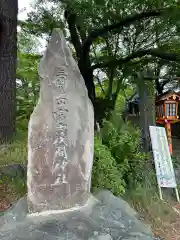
<point x="162" y="158"/>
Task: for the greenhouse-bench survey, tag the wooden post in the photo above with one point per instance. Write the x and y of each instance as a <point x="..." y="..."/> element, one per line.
<point x="168" y="132"/>
<point x="160" y="193"/>
<point x="177" y="194"/>
<point x="147" y="110"/>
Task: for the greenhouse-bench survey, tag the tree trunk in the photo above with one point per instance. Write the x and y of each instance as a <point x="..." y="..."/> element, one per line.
<point x="82" y="55"/>
<point x="159" y="87"/>
<point x="89" y="82"/>
<point x="111" y="74"/>
<point x="8" y="56"/>
<point x="147" y="111"/>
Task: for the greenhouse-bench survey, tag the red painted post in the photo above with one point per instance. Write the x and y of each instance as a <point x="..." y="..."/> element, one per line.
<point x="169" y="137"/>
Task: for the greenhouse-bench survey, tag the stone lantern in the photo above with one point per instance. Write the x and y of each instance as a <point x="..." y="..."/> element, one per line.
<point x="167" y="112"/>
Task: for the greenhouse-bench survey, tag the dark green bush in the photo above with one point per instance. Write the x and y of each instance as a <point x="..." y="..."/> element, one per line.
<point x="24" y="109"/>
<point x="122" y="140"/>
<point x="105" y="172"/>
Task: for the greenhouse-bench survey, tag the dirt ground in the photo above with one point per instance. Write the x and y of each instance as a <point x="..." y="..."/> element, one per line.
<point x="7" y="197"/>
<point x="166" y="226"/>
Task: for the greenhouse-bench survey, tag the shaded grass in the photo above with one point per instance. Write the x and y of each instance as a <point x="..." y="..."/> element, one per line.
<point x="10" y="191"/>
<point x="15" y="185"/>
<point x="15" y="152"/>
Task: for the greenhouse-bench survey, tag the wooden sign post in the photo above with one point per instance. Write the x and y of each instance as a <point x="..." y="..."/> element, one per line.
<point x="163" y="162"/>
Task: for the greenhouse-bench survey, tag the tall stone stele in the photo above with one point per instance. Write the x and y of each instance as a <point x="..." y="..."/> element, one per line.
<point x="61" y="134"/>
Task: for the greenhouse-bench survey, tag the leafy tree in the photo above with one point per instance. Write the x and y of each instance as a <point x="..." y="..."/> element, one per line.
<point x="115" y="39"/>
<point x="27" y="78"/>
<point x="88" y="22"/>
<point x="27" y="43"/>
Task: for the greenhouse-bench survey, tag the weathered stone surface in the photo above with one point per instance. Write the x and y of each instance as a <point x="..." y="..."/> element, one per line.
<point x="106" y="217"/>
<point x="61" y="133"/>
<point x="15" y="213"/>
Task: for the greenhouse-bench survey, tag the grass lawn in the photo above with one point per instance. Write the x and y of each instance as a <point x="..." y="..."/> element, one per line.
<point x="16" y="152"/>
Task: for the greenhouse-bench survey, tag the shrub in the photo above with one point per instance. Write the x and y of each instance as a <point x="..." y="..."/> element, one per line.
<point x="122" y="140"/>
<point x="105" y="172"/>
<point x="24" y="110"/>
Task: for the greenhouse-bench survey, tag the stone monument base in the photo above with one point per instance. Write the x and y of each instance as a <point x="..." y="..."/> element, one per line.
<point x="104" y="217"/>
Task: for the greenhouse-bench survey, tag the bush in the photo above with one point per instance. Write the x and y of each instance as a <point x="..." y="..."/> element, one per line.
<point x="122" y="140"/>
<point x="105" y="172"/>
<point x="24" y="110"/>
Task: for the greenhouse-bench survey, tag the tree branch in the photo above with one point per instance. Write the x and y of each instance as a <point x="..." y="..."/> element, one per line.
<point x="138" y="54"/>
<point x="71" y="20"/>
<point x="165" y="82"/>
<point x="124" y="22"/>
<point x="99" y="82"/>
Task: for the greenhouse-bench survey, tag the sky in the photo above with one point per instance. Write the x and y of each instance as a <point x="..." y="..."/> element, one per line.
<point x="24" y="7"/>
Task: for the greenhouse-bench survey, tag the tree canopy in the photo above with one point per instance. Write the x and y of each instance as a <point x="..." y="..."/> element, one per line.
<point x="108" y="34"/>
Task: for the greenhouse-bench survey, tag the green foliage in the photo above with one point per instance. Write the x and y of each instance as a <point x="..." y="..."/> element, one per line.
<point x="117" y="153"/>
<point x="122" y="140"/>
<point x="19" y="185"/>
<point x="146" y="33"/>
<point x="27" y="43"/>
<point x="105" y="172"/>
<point x="118" y="163"/>
<point x="27" y="87"/>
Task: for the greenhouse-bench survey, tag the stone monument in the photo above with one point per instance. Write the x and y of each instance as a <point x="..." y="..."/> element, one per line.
<point x="61" y="134"/>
